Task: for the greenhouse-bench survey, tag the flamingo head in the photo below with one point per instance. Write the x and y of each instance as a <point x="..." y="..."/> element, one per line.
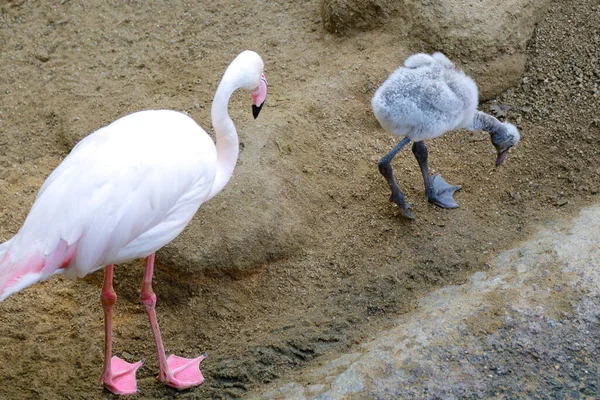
<point x="504" y="140"/>
<point x="246" y="71"/>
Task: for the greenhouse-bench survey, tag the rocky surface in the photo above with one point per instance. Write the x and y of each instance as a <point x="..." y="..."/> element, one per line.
<point x="488" y="36"/>
<point x="529" y="327"/>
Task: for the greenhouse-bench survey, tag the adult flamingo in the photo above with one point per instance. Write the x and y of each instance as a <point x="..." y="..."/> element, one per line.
<point x="422" y="100"/>
<point x="122" y="193"/>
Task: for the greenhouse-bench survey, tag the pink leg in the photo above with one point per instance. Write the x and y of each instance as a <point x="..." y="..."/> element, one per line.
<point x="178" y="372"/>
<point x="118" y="376"/>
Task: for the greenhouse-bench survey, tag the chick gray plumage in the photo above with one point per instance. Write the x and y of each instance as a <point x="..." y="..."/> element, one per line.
<point x="422" y="100"/>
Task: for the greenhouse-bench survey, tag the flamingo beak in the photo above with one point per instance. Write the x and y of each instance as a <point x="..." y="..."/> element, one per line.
<point x="256" y="110"/>
<point x="259" y="95"/>
<point x="501" y="157"/>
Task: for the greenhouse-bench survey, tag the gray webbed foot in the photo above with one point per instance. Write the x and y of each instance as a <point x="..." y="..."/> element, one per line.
<point x="440" y="192"/>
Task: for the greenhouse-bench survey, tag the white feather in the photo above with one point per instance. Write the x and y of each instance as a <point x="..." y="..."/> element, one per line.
<point x="144" y="171"/>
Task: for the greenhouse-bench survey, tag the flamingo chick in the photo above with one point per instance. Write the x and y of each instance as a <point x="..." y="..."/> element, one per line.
<point x="422" y="100"/>
<point x="122" y="193"/>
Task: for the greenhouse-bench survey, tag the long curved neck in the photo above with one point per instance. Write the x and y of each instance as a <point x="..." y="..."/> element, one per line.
<point x="226" y="136"/>
<point x="485" y="122"/>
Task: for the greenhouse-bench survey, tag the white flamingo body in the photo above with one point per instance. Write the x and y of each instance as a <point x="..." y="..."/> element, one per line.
<point x="124" y="192"/>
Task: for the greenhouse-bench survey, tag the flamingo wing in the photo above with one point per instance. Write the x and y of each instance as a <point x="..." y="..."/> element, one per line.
<point x="123" y="192"/>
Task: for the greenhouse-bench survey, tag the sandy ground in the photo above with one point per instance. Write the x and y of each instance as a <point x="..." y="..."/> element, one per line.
<point x="342" y="262"/>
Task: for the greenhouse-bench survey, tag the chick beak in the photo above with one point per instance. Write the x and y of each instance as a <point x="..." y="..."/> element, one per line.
<point x="501" y="157"/>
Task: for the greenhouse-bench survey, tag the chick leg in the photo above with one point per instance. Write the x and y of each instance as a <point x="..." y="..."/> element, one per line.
<point x="385" y="168"/>
<point x="437" y="190"/>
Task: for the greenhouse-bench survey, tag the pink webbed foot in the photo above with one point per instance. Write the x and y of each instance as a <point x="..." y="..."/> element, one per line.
<point x="122" y="381"/>
<point x="184" y="372"/>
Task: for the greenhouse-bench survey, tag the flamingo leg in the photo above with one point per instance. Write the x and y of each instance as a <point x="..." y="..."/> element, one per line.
<point x="118" y="375"/>
<point x="385" y="168"/>
<point x="178" y="372"/>
<point x="437" y="190"/>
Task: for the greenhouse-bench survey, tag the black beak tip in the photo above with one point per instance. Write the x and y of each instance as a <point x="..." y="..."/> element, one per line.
<point x="256" y="110"/>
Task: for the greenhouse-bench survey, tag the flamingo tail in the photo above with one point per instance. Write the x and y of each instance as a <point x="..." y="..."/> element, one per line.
<point x="19" y="272"/>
